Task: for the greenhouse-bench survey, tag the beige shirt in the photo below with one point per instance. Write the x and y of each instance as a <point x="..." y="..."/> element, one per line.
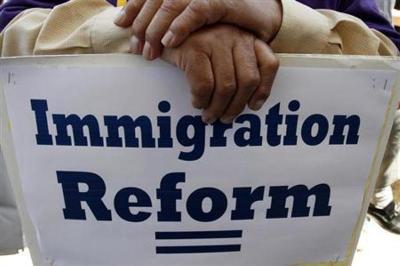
<point x="82" y="26"/>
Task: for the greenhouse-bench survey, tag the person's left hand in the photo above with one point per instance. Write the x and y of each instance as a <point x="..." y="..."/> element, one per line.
<point x="227" y="68"/>
<point x="158" y="23"/>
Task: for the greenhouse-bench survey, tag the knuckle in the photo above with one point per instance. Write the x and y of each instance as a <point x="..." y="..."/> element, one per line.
<point x="203" y="89"/>
<point x="132" y="7"/>
<point x="273" y="64"/>
<point x="246" y="38"/>
<point x="171" y="6"/>
<point x="154" y="2"/>
<point x="199" y="6"/>
<point x="152" y="36"/>
<point x="264" y="34"/>
<point x="138" y="29"/>
<point x="228" y="88"/>
<point x="252" y="80"/>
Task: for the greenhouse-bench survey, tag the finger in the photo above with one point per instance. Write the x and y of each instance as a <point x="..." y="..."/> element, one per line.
<point x="247" y="79"/>
<point x="268" y="65"/>
<point x="141" y="23"/>
<point x="136" y="45"/>
<point x="197" y="14"/>
<point x="198" y="70"/>
<point x="128" y="13"/>
<point x="225" y="85"/>
<point x="201" y="79"/>
<point x="168" y="11"/>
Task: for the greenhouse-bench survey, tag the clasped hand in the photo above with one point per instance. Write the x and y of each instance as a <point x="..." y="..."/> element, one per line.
<point x="221" y="45"/>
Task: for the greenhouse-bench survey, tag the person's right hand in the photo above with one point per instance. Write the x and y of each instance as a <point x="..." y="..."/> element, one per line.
<point x="227" y="68"/>
<point x="172" y="21"/>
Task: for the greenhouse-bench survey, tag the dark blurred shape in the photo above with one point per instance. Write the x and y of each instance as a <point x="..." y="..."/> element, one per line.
<point x="10" y="224"/>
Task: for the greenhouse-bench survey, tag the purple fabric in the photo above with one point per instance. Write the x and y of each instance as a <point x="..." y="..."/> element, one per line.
<point x="366" y="10"/>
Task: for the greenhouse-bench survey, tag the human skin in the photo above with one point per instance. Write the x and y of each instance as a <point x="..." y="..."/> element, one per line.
<point x="227" y="68"/>
<point x="158" y="23"/>
<point x="172" y="21"/>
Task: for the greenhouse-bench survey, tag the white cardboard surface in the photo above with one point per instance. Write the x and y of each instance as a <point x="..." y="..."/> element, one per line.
<point x="86" y="86"/>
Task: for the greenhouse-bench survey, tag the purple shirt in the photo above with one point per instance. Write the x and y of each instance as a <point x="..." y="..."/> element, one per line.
<point x="366" y="10"/>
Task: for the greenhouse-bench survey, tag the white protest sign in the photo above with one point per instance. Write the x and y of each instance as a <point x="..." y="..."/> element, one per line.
<point x="116" y="167"/>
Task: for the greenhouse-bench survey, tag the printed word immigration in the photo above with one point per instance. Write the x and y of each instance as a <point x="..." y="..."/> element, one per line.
<point x="276" y="128"/>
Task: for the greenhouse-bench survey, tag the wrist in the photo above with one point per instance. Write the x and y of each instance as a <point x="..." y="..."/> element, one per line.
<point x="274" y="23"/>
<point x="262" y="17"/>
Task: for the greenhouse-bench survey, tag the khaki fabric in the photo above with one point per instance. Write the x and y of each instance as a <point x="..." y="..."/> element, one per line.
<point x="82" y="26"/>
<point x="389" y="172"/>
<point x="10" y="224"/>
<point x="305" y="30"/>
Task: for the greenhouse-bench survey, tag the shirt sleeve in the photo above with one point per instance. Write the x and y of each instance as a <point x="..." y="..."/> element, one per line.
<point x="12" y="8"/>
<point x="306" y="30"/>
<point x="368" y="12"/>
<point x="82" y="26"/>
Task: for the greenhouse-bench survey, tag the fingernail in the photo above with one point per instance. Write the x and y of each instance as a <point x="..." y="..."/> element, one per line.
<point x="208" y="119"/>
<point x="196" y="104"/>
<point x="120" y="17"/>
<point x="168" y="39"/>
<point x="147" y="51"/>
<point x="257" y="106"/>
<point x="227" y="119"/>
<point x="135" y="43"/>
